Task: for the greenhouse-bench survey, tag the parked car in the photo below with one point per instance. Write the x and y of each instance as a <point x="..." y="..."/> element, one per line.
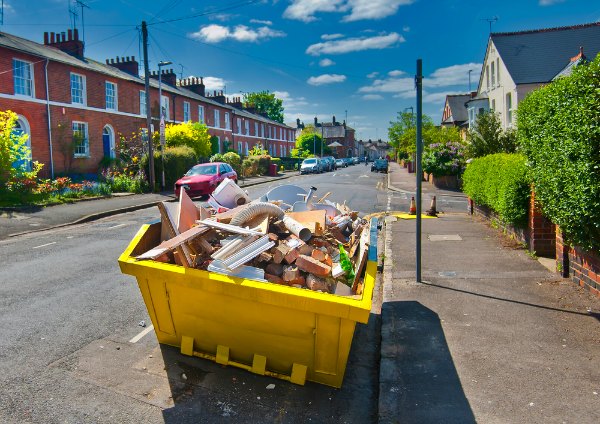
<point x="348" y="161"/>
<point x="311" y="166"/>
<point x="339" y="163"/>
<point x="380" y="165"/>
<point x="355" y="160"/>
<point x="203" y="179"/>
<point x="331" y="161"/>
<point x="327" y="163"/>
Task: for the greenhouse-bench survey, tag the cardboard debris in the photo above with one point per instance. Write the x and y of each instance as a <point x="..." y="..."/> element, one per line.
<point x="277" y="250"/>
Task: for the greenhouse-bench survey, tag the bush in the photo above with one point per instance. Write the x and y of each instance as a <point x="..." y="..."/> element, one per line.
<point x="487" y="137"/>
<point x="234" y="160"/>
<point x="500" y="181"/>
<point x="442" y="159"/>
<point x="217" y="157"/>
<point x="559" y="132"/>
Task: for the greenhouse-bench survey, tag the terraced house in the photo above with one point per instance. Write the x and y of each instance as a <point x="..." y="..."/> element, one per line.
<point x="57" y="93"/>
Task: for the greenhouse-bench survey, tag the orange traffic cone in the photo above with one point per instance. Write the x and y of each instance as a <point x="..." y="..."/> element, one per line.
<point x="433" y="209"/>
<point x="413" y="206"/>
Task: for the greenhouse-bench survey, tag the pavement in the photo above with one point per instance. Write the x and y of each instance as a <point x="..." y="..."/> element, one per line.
<point x="489" y="335"/>
<point x="19" y="221"/>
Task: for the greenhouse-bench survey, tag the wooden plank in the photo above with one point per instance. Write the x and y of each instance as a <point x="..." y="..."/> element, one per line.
<point x="187" y="214"/>
<point x="313" y="220"/>
<point x="362" y="258"/>
<point x="174" y="242"/>
<point x="183" y="252"/>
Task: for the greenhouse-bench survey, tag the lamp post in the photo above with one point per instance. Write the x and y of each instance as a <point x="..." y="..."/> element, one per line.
<point x="162" y="122"/>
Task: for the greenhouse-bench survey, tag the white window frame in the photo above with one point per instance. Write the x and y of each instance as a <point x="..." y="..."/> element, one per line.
<point x="498" y="72"/>
<point x="201" y="114"/>
<point x="165" y="104"/>
<point x="240" y="148"/>
<point x="217" y="116"/>
<point x="238" y="123"/>
<point x="227" y="121"/>
<point x="186" y="112"/>
<point x="115" y="96"/>
<point x="247" y="126"/>
<point x="85" y="151"/>
<point x="143" y="111"/>
<point x="487" y="77"/>
<point x="493" y="67"/>
<point x="256" y="129"/>
<point x="246" y="146"/>
<point x="83" y="93"/>
<point x="262" y="130"/>
<point x="509" y="109"/>
<point x="28" y="81"/>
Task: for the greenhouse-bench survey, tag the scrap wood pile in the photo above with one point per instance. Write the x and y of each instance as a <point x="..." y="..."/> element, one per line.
<point x="285" y="238"/>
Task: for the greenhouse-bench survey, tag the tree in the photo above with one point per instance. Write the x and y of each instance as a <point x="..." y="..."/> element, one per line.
<point x="306" y="143"/>
<point x="265" y="102"/>
<point x="487" y="137"/>
<point x="192" y="134"/>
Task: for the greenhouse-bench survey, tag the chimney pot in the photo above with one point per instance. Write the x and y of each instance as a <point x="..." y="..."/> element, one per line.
<point x="46" y="37"/>
<point x="51" y="38"/>
<point x="122" y="59"/>
<point x="70" y="34"/>
<point x="63" y="36"/>
<point x="76" y="34"/>
<point x="107" y="62"/>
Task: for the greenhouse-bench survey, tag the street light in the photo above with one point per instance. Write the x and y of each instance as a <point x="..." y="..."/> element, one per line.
<point x="162" y="121"/>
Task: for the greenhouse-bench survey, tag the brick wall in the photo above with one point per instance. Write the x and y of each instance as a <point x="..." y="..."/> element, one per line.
<point x="581" y="266"/>
<point x="519" y="234"/>
<point x="542" y="232"/>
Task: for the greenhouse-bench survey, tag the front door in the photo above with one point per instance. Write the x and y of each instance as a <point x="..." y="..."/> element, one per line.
<point x="106" y="144"/>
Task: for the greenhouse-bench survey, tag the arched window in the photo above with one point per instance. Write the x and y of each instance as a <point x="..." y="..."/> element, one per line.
<point x="108" y="142"/>
<point x="22" y="128"/>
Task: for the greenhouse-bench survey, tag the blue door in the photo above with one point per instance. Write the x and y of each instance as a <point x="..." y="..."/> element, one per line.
<point x="106" y="144"/>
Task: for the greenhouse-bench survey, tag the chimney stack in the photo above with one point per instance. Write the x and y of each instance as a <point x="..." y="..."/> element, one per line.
<point x="167" y="76"/>
<point x="128" y="65"/>
<point x="71" y="45"/>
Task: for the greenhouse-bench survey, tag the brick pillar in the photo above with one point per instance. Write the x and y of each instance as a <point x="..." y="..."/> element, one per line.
<point x="542" y="232"/>
<point x="562" y="254"/>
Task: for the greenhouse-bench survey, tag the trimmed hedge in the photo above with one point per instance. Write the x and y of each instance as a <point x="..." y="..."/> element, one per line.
<point x="559" y="132"/>
<point x="500" y="182"/>
<point x="178" y="160"/>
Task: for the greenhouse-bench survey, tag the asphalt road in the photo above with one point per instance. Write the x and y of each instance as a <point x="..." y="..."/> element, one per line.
<point x="68" y="318"/>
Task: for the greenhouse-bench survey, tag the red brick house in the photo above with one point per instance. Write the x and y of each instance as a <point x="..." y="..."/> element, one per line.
<point x="56" y="92"/>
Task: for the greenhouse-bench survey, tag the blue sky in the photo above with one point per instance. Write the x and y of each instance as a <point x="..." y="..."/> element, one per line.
<point x="353" y="58"/>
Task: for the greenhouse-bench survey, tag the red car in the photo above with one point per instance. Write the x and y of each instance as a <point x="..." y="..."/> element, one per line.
<point x="204" y="178"/>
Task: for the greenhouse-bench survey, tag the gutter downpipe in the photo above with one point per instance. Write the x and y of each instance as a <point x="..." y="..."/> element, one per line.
<point x="49" y="121"/>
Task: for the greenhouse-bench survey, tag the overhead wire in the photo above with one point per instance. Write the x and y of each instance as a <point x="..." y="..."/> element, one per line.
<point x="231" y="6"/>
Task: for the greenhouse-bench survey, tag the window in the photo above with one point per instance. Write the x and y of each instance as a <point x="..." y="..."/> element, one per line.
<point x="239" y="125"/>
<point x="487" y="77"/>
<point x="493" y="105"/>
<point x="246" y="146"/>
<point x="239" y="147"/>
<point x="256" y="129"/>
<point x="165" y="106"/>
<point x="143" y="103"/>
<point x="80" y="138"/>
<point x="281" y="133"/>
<point x="498" y="71"/>
<point x="223" y="169"/>
<point x="217" y="119"/>
<point x="111" y="95"/>
<point x="247" y="127"/>
<point x="77" y="89"/>
<point x="22" y="128"/>
<point x="186" y="112"/>
<point x="219" y="143"/>
<point x="493" y="75"/>
<point x="270" y="132"/>
<point x="227" y="123"/>
<point x="509" y="109"/>
<point x="23" y="77"/>
<point x="201" y="114"/>
<point x="262" y="127"/>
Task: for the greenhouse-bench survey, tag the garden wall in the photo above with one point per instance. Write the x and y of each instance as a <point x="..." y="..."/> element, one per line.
<point x="581" y="266"/>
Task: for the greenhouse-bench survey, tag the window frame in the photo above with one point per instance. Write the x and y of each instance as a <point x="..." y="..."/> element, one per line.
<point x="256" y="129"/>
<point x="201" y="118"/>
<point x="167" y="106"/>
<point x="143" y="110"/>
<point x="86" y="140"/>
<point x="31" y="80"/>
<point x="83" y="88"/>
<point x="217" y="117"/>
<point x="115" y="95"/>
<point x="187" y="112"/>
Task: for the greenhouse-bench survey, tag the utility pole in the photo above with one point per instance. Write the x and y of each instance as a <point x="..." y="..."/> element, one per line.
<point x="148" y="111"/>
<point x="419" y="171"/>
<point x="162" y="123"/>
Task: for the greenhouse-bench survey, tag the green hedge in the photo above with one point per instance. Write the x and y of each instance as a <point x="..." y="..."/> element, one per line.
<point x="178" y="160"/>
<point x="500" y="182"/>
<point x="559" y="132"/>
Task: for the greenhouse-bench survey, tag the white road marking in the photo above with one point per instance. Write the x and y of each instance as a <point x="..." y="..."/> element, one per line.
<point x="142" y="334"/>
<point x="389" y="203"/>
<point x="44" y="245"/>
<point x="117" y="226"/>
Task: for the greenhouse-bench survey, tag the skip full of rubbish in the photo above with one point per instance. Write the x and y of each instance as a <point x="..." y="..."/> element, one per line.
<point x="285" y="237"/>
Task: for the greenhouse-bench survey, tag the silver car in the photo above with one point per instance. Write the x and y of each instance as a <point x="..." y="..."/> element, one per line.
<point x="311" y="166"/>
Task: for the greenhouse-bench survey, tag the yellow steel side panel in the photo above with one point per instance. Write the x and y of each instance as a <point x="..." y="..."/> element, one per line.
<point x="327" y="344"/>
<point x="160" y="303"/>
<point x="187" y="345"/>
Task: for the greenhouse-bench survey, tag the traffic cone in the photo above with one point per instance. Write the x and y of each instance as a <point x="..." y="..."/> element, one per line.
<point x="413" y="206"/>
<point x="433" y="209"/>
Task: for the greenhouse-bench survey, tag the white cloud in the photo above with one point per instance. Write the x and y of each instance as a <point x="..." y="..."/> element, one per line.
<point x="214" y="83"/>
<point x="331" y="36"/>
<point x="261" y="22"/>
<point x="406" y="28"/>
<point x="290" y="103"/>
<point x="373" y="74"/>
<point x="435" y="97"/>
<point x="453" y="75"/>
<point x="372" y="97"/>
<point x="355" y="44"/>
<point x="549" y="2"/>
<point x="326" y="79"/>
<point x="222" y="17"/>
<point x="396" y="73"/>
<point x="373" y="9"/>
<point x="216" y="33"/>
<point x="326" y="62"/>
<point x="305" y="10"/>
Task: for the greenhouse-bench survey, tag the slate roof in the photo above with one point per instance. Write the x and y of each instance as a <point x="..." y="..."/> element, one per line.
<point x="457" y="106"/>
<point x="54" y="54"/>
<point x="333" y="131"/>
<point x="538" y="56"/>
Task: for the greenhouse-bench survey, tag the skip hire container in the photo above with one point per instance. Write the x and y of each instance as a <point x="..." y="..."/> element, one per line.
<point x="268" y="329"/>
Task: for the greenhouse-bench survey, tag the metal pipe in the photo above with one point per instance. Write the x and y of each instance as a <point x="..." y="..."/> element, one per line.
<point x="419" y="171"/>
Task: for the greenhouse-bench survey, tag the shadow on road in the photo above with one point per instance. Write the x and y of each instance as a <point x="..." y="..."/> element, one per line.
<point x="419" y="382"/>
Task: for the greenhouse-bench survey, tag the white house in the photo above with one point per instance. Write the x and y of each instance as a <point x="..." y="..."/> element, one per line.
<point x="518" y="62"/>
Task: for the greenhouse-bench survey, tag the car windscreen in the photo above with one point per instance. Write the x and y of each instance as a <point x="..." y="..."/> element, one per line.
<point x="202" y="170"/>
<point x="309" y="161"/>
